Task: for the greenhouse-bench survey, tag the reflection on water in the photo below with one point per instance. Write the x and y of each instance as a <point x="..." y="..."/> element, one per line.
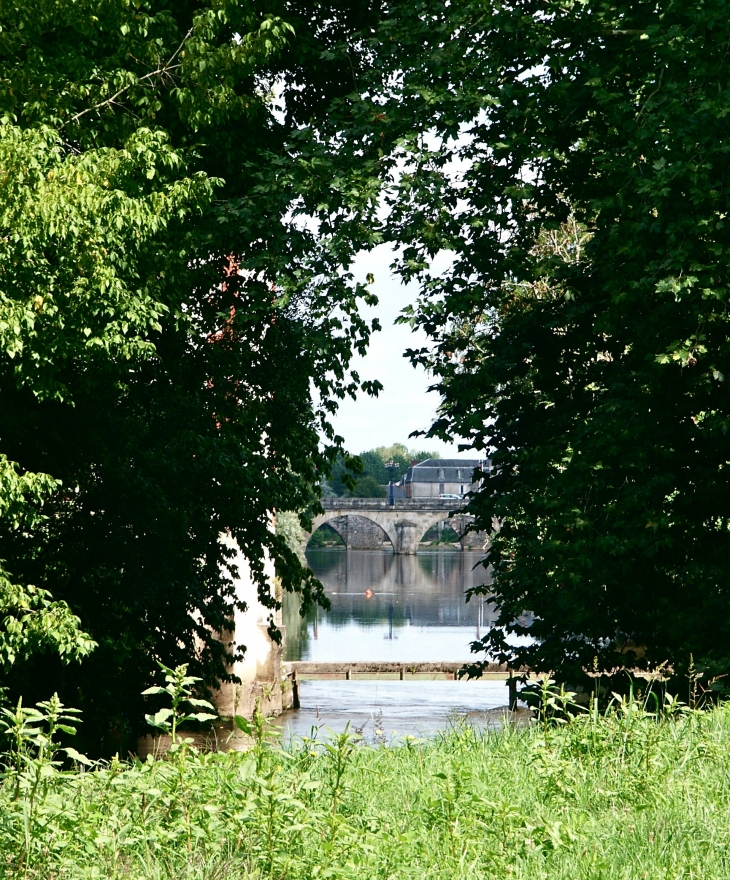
<point x="387" y="607"/>
<point x="398" y="608"/>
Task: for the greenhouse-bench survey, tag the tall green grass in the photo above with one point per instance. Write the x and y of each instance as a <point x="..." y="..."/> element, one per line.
<point x="622" y="795"/>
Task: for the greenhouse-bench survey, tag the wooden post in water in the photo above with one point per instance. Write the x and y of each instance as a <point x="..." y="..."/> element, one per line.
<point x="512" y="686"/>
<point x="295" y="704"/>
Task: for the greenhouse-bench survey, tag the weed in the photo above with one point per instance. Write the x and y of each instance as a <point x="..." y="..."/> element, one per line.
<point x="179" y="689"/>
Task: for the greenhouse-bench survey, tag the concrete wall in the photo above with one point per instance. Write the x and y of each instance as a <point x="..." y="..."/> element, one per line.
<point x="260" y="669"/>
<point x="424" y="490"/>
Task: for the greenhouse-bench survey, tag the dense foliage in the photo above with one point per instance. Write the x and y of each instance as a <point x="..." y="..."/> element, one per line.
<point x="616" y="796"/>
<point x="183" y="189"/>
<point x="572" y="157"/>
<point x="367" y="472"/>
<point x="176" y="322"/>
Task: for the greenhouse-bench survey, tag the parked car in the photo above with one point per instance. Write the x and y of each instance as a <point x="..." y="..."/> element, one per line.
<point x="447" y="495"/>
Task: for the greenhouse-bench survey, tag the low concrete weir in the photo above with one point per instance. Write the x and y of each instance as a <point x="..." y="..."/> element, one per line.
<point x="388" y="670"/>
<point x="405" y="522"/>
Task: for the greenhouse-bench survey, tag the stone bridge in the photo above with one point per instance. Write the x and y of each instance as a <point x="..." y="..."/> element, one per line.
<point x="404" y="524"/>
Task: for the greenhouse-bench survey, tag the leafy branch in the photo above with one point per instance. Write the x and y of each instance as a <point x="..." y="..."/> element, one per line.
<point x="161" y="71"/>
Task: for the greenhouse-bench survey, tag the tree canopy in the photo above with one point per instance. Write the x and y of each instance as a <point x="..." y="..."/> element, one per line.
<point x="177" y="319"/>
<point x="572" y="158"/>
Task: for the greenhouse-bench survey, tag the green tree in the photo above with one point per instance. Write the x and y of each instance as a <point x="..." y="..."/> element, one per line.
<point x="573" y="159"/>
<point x="325" y="536"/>
<point x="343" y="474"/>
<point x="367" y="487"/>
<point x="372" y="463"/>
<point x="373" y="466"/>
<point x="290" y="529"/>
<point x="400" y="455"/>
<point x="176" y="320"/>
<point x="30" y="619"/>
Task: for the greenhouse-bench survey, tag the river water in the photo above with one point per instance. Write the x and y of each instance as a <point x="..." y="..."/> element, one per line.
<point x="397" y="608"/>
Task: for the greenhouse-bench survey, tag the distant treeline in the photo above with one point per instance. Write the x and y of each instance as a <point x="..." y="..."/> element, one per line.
<point x="372" y="480"/>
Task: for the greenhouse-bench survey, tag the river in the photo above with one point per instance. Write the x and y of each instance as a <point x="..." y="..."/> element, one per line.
<point x="398" y="608"/>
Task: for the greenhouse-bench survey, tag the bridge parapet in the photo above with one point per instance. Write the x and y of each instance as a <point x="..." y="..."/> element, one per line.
<point x="399" y="504"/>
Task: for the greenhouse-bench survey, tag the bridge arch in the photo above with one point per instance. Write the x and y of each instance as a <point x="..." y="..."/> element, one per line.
<point x="330" y="515"/>
<point x="456" y="523"/>
<point x="469" y="539"/>
<point x="357" y="531"/>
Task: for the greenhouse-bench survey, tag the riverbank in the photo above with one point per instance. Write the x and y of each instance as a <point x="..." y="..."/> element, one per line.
<point x="623" y="796"/>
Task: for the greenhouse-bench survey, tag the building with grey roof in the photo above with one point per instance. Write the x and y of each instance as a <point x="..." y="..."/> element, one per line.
<point x="441" y="476"/>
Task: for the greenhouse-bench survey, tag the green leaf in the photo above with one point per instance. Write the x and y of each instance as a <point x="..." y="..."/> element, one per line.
<point x="160" y="719"/>
<point x="78" y="757"/>
<point x="244" y="725"/>
<point x="202" y="703"/>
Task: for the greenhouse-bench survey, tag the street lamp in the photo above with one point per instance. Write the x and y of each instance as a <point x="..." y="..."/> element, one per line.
<point x="391" y="465"/>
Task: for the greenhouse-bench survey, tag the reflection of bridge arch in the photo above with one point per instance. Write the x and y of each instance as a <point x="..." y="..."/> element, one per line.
<point x="404" y="523"/>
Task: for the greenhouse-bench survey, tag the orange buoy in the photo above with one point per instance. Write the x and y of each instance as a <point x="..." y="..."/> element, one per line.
<point x="368" y="593"/>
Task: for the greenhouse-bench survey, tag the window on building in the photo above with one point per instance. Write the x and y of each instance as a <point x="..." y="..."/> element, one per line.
<point x="441" y="489"/>
<point x="461" y="490"/>
<point x="441" y="473"/>
<point x="458" y="474"/>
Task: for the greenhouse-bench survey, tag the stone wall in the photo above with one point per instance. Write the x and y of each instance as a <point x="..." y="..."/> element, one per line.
<point x="469" y="540"/>
<point x="359" y="533"/>
<point x="475" y="541"/>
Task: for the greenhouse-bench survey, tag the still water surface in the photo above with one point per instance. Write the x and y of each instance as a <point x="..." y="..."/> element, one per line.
<point x="397" y="608"/>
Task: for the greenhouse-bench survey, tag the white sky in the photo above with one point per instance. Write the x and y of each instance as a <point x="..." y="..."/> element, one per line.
<point x="404" y="405"/>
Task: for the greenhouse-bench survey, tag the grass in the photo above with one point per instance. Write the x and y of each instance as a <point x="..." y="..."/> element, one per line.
<point x="625" y="795"/>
